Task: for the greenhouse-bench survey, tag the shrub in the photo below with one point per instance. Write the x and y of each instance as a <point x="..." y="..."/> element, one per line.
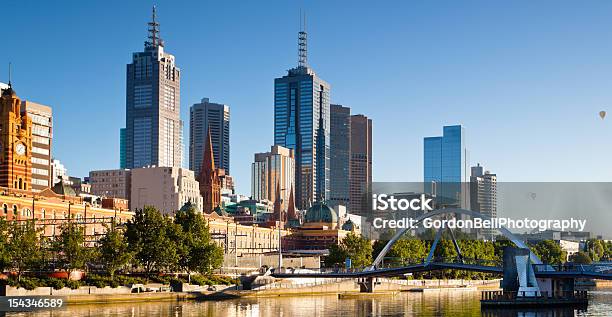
<point x="56" y="283"/>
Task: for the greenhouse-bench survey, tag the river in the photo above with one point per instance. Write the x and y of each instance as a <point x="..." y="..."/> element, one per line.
<point x="446" y="303"/>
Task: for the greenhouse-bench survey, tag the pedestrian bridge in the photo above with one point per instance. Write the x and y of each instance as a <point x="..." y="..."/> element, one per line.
<point x="431" y="263"/>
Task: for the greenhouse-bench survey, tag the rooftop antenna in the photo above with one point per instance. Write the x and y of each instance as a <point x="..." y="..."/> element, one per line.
<point x="302" y="43"/>
<point x="154" y="38"/>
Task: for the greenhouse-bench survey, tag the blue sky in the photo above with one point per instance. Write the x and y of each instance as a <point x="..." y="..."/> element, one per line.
<point x="527" y="79"/>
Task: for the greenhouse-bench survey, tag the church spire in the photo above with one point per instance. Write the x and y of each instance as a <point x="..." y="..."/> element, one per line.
<point x="291" y="214"/>
<point x="278" y="208"/>
<point x="208" y="160"/>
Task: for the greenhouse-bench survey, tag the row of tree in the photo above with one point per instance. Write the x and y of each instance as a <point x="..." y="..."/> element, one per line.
<point x="150" y="242"/>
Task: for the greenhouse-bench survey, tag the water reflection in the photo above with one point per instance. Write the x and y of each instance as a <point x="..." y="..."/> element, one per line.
<point x="458" y="303"/>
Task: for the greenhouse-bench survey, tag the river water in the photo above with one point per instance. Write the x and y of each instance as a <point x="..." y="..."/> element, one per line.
<point x="445" y="303"/>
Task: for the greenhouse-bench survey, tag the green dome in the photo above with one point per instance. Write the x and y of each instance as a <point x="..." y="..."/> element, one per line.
<point x="320" y="212"/>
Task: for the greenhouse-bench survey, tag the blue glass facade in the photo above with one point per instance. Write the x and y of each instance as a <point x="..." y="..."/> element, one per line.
<point x="302" y="123"/>
<point x="445" y="165"/>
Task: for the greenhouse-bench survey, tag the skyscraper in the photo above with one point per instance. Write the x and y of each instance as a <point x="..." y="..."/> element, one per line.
<point x="360" y="171"/>
<point x="302" y="123"/>
<point x="122" y="141"/>
<point x="42" y="135"/>
<point x="153" y="134"/>
<point x="216" y="117"/>
<point x="340" y="140"/>
<point x="271" y="171"/>
<point x="445" y="167"/>
<point x="483" y="193"/>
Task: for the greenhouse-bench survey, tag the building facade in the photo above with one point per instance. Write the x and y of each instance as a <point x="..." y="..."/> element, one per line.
<point x="340" y="140"/>
<point x="116" y="183"/>
<point x="360" y="171"/>
<point x="153" y="128"/>
<point x="483" y="194"/>
<point x="165" y="188"/>
<point x="15" y="143"/>
<point x="215" y="117"/>
<point x="302" y="123"/>
<point x="59" y="172"/>
<point x="42" y="137"/>
<point x="122" y="141"/>
<point x="271" y="170"/>
<point x="445" y="167"/>
<point x="49" y="210"/>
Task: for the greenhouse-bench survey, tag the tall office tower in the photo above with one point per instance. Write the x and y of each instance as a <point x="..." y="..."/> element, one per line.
<point x="202" y="117"/>
<point x="272" y="169"/>
<point x="122" y="161"/>
<point x="340" y="140"/>
<point x="483" y="194"/>
<point x="360" y="172"/>
<point x="445" y="167"/>
<point x="15" y="142"/>
<point x="302" y="123"/>
<point x="42" y="135"/>
<point x="153" y="131"/>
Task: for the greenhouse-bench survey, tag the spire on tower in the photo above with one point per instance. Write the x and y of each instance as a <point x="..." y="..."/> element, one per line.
<point x="154" y="39"/>
<point x="302" y="43"/>
<point x="9" y="83"/>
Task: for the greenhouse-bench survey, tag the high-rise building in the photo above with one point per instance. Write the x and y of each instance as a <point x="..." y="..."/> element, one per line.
<point x="483" y="193"/>
<point x="165" y="188"/>
<point x="271" y="171"/>
<point x="210" y="179"/>
<point x="122" y="141"/>
<point x="445" y="167"/>
<point x="42" y="135"/>
<point x="111" y="183"/>
<point x="59" y="172"/>
<point x="15" y="142"/>
<point x="153" y="128"/>
<point x="205" y="116"/>
<point x="302" y="123"/>
<point x="340" y="140"/>
<point x="360" y="172"/>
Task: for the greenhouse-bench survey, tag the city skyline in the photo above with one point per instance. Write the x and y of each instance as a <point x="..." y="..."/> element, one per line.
<point x="573" y="106"/>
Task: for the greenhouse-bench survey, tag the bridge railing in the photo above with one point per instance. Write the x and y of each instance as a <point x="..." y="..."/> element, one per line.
<point x="508" y="295"/>
<point x="399" y="262"/>
<point x="574" y="268"/>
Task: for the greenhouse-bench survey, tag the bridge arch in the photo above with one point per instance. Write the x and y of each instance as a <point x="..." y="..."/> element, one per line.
<point x="518" y="242"/>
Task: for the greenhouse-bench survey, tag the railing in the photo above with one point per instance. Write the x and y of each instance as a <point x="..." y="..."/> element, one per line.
<point x="605" y="268"/>
<point x="507" y="295"/>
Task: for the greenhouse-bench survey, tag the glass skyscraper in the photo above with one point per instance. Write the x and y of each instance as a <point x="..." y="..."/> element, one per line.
<point x="153" y="128"/>
<point x="445" y="167"/>
<point x="302" y="123"/>
<point x="340" y="140"/>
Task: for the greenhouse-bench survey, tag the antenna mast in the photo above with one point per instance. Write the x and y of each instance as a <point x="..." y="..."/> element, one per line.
<point x="302" y="44"/>
<point x="154" y="38"/>
<point x="9" y="83"/>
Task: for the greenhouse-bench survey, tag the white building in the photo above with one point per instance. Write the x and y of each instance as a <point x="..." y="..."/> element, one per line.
<point x="165" y="188"/>
<point x="42" y="135"/>
<point x="58" y="172"/>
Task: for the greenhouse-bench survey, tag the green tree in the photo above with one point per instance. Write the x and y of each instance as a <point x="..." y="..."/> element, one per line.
<point x="114" y="251"/>
<point x="549" y="252"/>
<point x="70" y="246"/>
<point x="581" y="258"/>
<point x="153" y="239"/>
<point x="25" y="246"/>
<point x="199" y="253"/>
<point x="5" y="252"/>
<point x="409" y="250"/>
<point x="596" y="249"/>
<point x="355" y="247"/>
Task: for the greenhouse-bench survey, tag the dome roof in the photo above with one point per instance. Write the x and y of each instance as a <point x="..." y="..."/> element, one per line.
<point x="320" y="212"/>
<point x="349" y="226"/>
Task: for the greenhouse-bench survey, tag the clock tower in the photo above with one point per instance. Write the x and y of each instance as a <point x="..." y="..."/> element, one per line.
<point x="15" y="143"/>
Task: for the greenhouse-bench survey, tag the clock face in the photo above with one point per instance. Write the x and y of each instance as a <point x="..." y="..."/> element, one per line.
<point x="20" y="149"/>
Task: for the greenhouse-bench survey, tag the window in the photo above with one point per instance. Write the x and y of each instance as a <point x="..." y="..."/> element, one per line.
<point x="5" y="209"/>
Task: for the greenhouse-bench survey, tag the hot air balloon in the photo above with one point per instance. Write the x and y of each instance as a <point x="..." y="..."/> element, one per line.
<point x="602" y="114"/>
